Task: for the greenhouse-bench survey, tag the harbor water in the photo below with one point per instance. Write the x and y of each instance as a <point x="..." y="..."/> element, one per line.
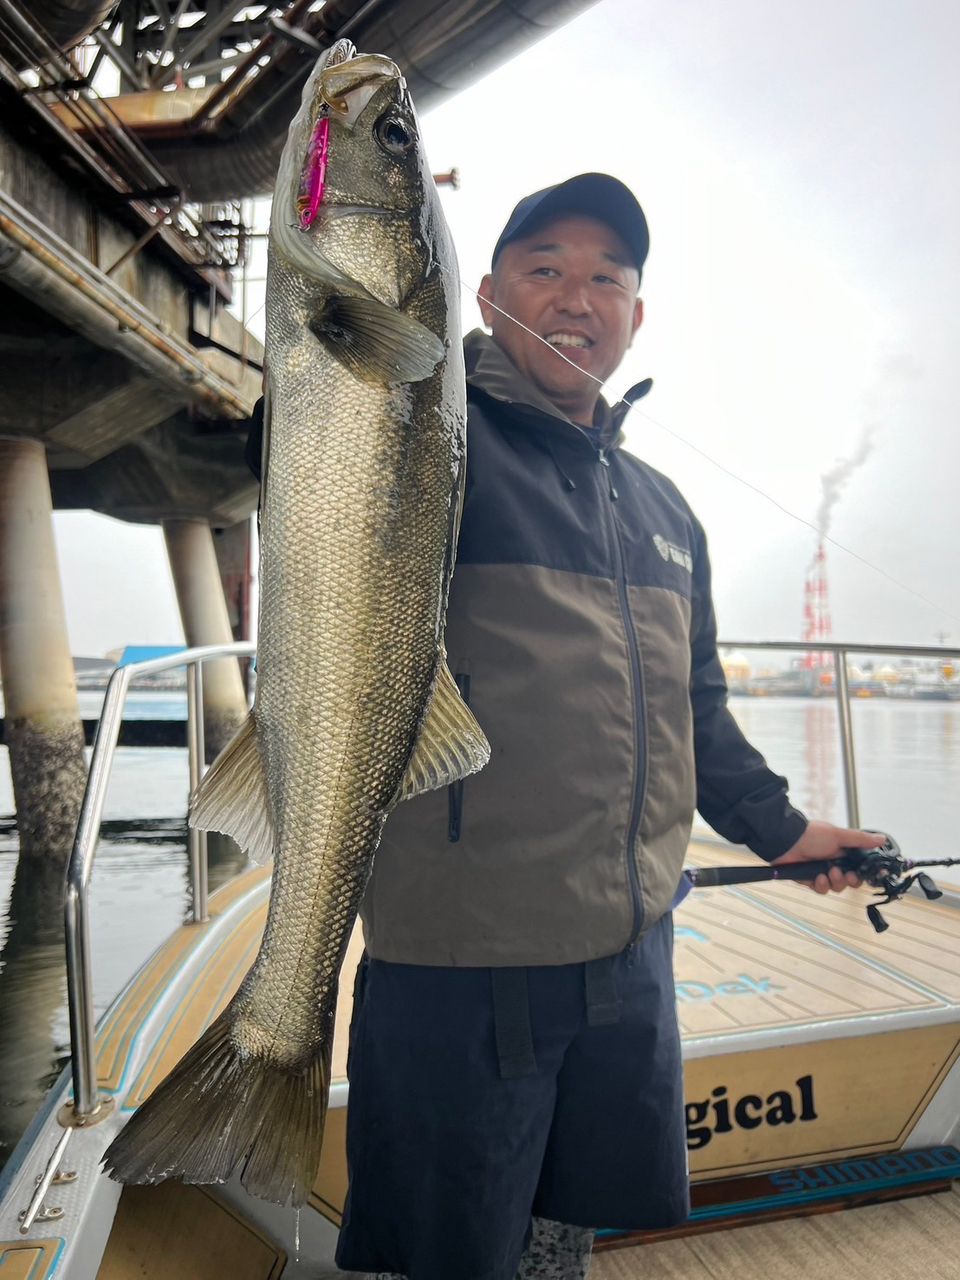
<point x="908" y="764"/>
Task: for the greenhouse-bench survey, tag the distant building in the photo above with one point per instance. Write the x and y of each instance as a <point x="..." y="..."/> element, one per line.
<point x="736" y="668"/>
<point x="147" y="652"/>
<point x="92" y="673"/>
<point x="95" y="673"/>
<point x="888" y="674"/>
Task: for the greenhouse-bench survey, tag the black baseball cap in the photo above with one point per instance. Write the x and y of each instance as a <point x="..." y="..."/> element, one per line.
<point x="595" y="194"/>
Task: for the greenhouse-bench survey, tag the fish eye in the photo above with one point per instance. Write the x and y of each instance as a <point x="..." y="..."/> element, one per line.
<point x="393" y="136"/>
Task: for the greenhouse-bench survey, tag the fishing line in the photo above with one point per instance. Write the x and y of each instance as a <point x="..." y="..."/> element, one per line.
<point x="725" y="469"/>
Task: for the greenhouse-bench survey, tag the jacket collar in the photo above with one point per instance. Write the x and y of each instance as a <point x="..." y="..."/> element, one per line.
<point x="490" y="370"/>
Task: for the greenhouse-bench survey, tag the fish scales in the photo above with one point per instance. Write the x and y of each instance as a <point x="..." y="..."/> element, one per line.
<point x="351" y="634"/>
<point x="355" y="708"/>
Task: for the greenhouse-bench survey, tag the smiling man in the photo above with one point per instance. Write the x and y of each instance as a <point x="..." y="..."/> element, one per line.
<point x="572" y="287"/>
<point x="515" y="1076"/>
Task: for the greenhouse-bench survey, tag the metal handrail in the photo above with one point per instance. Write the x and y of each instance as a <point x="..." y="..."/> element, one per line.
<point x="827" y="646"/>
<point x="840" y="654"/>
<point x="86" y="1102"/>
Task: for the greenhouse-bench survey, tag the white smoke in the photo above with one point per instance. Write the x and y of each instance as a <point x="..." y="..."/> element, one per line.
<point x="834" y="481"/>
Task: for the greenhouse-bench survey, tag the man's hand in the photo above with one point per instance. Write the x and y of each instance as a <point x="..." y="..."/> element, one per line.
<point x="823" y="840"/>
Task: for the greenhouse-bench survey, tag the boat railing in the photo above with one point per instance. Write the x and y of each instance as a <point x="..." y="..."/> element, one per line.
<point x="841" y="654"/>
<point x="87" y="1107"/>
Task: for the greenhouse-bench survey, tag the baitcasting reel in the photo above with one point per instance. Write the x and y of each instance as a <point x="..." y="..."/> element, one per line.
<point x="884" y="869"/>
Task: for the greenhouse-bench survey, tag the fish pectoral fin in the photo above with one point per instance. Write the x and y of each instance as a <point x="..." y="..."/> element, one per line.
<point x="450" y="744"/>
<point x="232" y="796"/>
<point x="377" y="343"/>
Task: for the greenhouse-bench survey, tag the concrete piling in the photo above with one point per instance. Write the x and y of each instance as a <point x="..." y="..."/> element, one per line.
<point x="234" y="554"/>
<point x="232" y="546"/>
<point x="203" y="612"/>
<point x="42" y="715"/>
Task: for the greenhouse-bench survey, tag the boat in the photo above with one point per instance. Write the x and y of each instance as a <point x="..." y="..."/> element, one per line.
<point x="822" y="1066"/>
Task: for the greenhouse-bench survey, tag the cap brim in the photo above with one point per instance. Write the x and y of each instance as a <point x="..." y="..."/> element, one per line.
<point x="597" y="195"/>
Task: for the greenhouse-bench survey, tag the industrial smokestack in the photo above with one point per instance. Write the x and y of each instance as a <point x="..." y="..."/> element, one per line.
<point x="834" y="481"/>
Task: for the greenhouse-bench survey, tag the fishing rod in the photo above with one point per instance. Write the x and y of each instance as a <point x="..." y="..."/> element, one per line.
<point x="884" y="869"/>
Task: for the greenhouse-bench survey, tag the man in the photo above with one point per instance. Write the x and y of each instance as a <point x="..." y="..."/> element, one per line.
<point x="515" y="1054"/>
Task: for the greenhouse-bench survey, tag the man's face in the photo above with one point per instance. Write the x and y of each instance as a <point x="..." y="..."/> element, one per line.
<point x="574" y="285"/>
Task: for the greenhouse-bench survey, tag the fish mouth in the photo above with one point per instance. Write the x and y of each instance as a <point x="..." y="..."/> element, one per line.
<point x="340" y="52"/>
<point x="349" y="80"/>
<point x="342" y="85"/>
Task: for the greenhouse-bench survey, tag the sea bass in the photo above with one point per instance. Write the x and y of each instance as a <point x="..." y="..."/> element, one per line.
<point x="355" y="710"/>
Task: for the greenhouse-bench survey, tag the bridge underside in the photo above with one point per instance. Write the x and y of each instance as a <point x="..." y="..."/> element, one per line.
<point x="130" y="130"/>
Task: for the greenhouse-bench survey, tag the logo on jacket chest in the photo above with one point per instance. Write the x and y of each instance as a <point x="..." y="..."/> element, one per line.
<point x="670" y="551"/>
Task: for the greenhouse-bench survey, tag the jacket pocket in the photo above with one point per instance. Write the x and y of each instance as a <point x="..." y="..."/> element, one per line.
<point x="455" y="790"/>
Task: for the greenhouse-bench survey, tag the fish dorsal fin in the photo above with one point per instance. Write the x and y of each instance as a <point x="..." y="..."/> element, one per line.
<point x="450" y="744"/>
<point x="232" y="796"/>
<point x="377" y="343"/>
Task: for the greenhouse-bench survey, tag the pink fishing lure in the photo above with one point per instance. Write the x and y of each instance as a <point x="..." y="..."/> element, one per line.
<point x="314" y="174"/>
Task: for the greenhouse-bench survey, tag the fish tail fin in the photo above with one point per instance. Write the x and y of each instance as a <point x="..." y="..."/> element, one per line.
<point x="222" y="1107"/>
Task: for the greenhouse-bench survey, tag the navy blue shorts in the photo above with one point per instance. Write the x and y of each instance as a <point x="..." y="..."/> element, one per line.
<point x="448" y="1159"/>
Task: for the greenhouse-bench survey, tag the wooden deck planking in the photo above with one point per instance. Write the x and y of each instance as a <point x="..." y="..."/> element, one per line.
<point x="810" y="978"/>
<point x="922" y="943"/>
<point x="915" y="1239"/>
<point x="178" y="1232"/>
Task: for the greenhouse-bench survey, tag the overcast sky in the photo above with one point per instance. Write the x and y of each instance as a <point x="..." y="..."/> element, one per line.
<point x="798" y="168"/>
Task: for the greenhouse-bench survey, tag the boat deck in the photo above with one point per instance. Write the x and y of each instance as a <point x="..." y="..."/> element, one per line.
<point x="817" y="1054"/>
<point x="916" y="1239"/>
<point x="777" y="965"/>
<point x="791" y="1008"/>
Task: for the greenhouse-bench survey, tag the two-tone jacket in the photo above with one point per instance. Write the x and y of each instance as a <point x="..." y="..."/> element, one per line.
<point x="581" y="631"/>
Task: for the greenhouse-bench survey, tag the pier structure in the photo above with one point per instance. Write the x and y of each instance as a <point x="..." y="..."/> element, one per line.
<point x="130" y="133"/>
<point x="203" y="612"/>
<point x="125" y="386"/>
<point x="42" y="726"/>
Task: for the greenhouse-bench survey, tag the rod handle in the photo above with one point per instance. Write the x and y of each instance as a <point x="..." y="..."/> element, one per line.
<point x="707" y="876"/>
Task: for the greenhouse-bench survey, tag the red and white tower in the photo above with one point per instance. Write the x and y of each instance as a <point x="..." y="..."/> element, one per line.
<point x="816" y="612"/>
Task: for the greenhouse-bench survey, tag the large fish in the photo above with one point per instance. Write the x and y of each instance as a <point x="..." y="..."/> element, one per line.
<point x="355" y="707"/>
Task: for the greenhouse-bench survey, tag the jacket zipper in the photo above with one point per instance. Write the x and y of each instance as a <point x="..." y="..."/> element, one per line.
<point x="455" y="789"/>
<point x="640" y="704"/>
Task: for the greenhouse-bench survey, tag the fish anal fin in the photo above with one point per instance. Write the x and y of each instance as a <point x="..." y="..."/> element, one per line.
<point x="450" y="744"/>
<point x="232" y="796"/>
<point x="375" y="342"/>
